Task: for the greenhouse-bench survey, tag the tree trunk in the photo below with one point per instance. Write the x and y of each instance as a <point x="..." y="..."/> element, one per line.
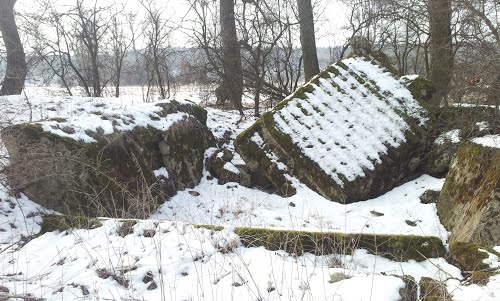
<point x="15" y="74"/>
<point x="441" y="63"/>
<point x="231" y="55"/>
<point x="308" y="39"/>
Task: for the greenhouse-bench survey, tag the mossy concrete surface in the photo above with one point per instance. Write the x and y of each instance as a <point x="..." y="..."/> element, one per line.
<point x="401" y="163"/>
<point x="470" y="257"/>
<point x="468" y="120"/>
<point x="469" y="203"/>
<point x="433" y="290"/>
<point x="410" y="291"/>
<point x="113" y="176"/>
<point x="395" y="247"/>
<point x="52" y="222"/>
<point x="215" y="164"/>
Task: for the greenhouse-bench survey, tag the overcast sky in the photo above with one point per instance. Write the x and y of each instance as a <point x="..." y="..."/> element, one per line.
<point x="328" y="26"/>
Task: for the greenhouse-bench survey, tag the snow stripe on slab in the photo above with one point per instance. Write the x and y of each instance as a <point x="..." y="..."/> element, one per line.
<point x="345" y="123"/>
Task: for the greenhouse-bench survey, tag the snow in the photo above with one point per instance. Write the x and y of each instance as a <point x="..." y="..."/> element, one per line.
<point x="161" y="172"/>
<point x="226" y="125"/>
<point x="234" y="205"/>
<point x="493" y="260"/>
<point x="19" y="217"/>
<point x="346" y="127"/>
<point x="230" y="167"/>
<point x="408" y="79"/>
<point x="483" y="125"/>
<point x="452" y="136"/>
<point x="488" y="141"/>
<point x="76" y="117"/>
<point x="488" y="292"/>
<point x="191" y="263"/>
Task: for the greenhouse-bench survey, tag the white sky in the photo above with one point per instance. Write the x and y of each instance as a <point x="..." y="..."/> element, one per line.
<point x="331" y="17"/>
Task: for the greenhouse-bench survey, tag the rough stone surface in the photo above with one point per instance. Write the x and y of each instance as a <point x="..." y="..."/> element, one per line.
<point x="216" y="163"/>
<point x="410" y="291"/>
<point x="394" y="247"/>
<point x="467" y="121"/>
<point x="470" y="257"/>
<point x="433" y="290"/>
<point x="469" y="204"/>
<point x="331" y="116"/>
<point x="114" y="176"/>
<point x="429" y="197"/>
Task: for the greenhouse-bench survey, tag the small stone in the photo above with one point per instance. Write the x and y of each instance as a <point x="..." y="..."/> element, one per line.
<point x="85" y="290"/>
<point x="149" y="233"/>
<point x="227" y="156"/>
<point x="164" y="148"/>
<point x="429" y="197"/>
<point x="410" y="223"/>
<point x="278" y="218"/>
<point x="194" y="193"/>
<point x="291" y="204"/>
<point x="148" y="277"/>
<point x="253" y="165"/>
<point x="152" y="286"/>
<point x="373" y="212"/>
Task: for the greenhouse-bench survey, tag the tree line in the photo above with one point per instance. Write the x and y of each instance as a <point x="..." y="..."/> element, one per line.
<point x="265" y="48"/>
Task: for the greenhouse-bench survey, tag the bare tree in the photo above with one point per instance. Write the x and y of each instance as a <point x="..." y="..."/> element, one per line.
<point x="15" y="74"/>
<point x="232" y="81"/>
<point x="441" y="47"/>
<point x="263" y="26"/>
<point x="308" y="38"/>
<point x="91" y="27"/>
<point x="120" y="43"/>
<point x="270" y="57"/>
<point x="476" y="71"/>
<point x="157" y="32"/>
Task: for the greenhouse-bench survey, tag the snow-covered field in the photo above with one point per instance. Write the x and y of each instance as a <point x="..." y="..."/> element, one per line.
<point x="167" y="258"/>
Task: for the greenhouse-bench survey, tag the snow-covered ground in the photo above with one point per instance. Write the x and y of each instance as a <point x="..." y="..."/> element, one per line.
<point x="189" y="263"/>
<point x="397" y="212"/>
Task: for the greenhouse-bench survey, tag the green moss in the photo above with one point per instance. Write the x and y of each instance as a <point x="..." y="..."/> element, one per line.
<point x="251" y="151"/>
<point x="471" y="259"/>
<point x="336" y="277"/>
<point x="209" y="227"/>
<point x="421" y="89"/>
<point x="52" y="222"/>
<point x="34" y="132"/>
<point x="58" y="119"/>
<point x="126" y="227"/>
<point x="475" y="166"/>
<point x="433" y="290"/>
<point x="174" y="106"/>
<point x="395" y="247"/>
